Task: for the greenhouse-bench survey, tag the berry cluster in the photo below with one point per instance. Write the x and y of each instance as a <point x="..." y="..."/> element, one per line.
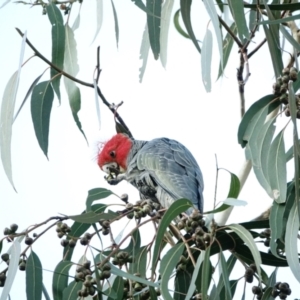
<point x="280" y="89"/>
<point x="267" y="235"/>
<point x="84" y="273"/>
<point x="137" y="287"/>
<point x="282" y="290"/>
<point x="122" y="258"/>
<point x="249" y="273"/>
<point x="142" y="209"/>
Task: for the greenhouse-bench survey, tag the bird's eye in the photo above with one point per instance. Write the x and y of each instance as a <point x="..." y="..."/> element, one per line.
<point x="112" y="154"/>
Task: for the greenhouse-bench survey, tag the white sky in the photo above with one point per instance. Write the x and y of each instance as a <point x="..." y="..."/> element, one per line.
<point x="169" y="103"/>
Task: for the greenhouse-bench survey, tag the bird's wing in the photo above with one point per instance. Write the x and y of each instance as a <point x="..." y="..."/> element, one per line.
<point x="173" y="168"/>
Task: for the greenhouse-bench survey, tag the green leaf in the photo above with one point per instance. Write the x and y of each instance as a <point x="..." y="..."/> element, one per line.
<point x="41" y="105"/>
<point x="116" y="22"/>
<point x="280" y="21"/>
<point x="119" y="272"/>
<point x="144" y="52"/>
<point x="206" y="59"/>
<point x="6" y="116"/>
<point x="185" y="6"/>
<point x="291" y="7"/>
<point x="14" y="252"/>
<point x="196" y="271"/>
<point x="91" y="217"/>
<point x="211" y="10"/>
<point x="272" y="35"/>
<point x="153" y="22"/>
<point x="34" y="277"/>
<point x="178" y="26"/>
<point x="70" y="292"/>
<point x="27" y="95"/>
<point x="267" y="293"/>
<point x="96" y="194"/>
<point x="277" y="168"/>
<point x="288" y="36"/>
<point x="227" y="46"/>
<point x="71" y="67"/>
<point x="6" y="119"/>
<point x="291" y="247"/>
<point x="60" y="279"/>
<point x="45" y="293"/>
<point x="164" y="30"/>
<point x="118" y="288"/>
<point x="58" y="44"/>
<point x="239" y="18"/>
<point x="173" y="211"/>
<point x="235" y="186"/>
<point x="167" y="265"/>
<point x="205" y="275"/>
<point x="248" y="239"/>
<point x="249" y="115"/>
<point x="225" y="276"/>
<point x="99" y="15"/>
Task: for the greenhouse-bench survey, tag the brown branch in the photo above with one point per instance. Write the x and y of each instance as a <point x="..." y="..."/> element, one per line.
<point x="227" y="28"/>
<point x="91" y="85"/>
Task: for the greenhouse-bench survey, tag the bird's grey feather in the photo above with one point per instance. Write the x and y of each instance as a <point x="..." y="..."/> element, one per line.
<point x="167" y="167"/>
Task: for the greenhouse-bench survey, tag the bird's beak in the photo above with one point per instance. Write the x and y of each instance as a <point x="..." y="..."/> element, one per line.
<point x="111" y="168"/>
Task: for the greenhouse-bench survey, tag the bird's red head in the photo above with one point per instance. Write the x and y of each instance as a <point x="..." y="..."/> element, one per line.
<point x="115" y="150"/>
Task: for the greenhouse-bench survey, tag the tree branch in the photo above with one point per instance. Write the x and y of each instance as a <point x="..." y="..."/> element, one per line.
<point x="91" y="85"/>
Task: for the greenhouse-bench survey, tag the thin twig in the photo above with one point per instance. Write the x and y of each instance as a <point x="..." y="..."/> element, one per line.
<point x="239" y="43"/>
<point x="91" y="85"/>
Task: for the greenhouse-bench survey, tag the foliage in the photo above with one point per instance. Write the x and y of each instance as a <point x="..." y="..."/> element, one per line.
<point x="177" y="263"/>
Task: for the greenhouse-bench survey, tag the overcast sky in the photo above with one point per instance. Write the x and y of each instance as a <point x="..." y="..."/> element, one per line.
<point x="170" y="103"/>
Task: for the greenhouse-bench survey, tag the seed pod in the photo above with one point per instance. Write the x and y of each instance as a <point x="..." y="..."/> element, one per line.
<point x="6" y="231"/>
<point x="14" y="227"/>
<point x="105" y="231"/>
<point x="84" y="241"/>
<point x="64" y="242"/>
<point x="5" y="257"/>
<point x="60" y="234"/>
<point x="92" y="291"/>
<point x="124" y="197"/>
<point x="87" y="264"/>
<point x="28" y="241"/>
<point x="22" y="265"/>
<point x="256" y="290"/>
<point x="286" y="71"/>
<point x="283" y="88"/>
<point x="72" y="243"/>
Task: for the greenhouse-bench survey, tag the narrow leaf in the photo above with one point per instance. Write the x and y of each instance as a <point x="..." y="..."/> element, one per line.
<point x="41" y="105"/>
<point x="291" y="248"/>
<point x="211" y="10"/>
<point x="291" y="39"/>
<point x="6" y="116"/>
<point x="99" y="15"/>
<point x="144" y="52"/>
<point x="116" y="22"/>
<point x="168" y="263"/>
<point x="178" y="26"/>
<point x="27" y="95"/>
<point x="60" y="279"/>
<point x="71" y="291"/>
<point x="274" y="49"/>
<point x="194" y="276"/>
<point x="119" y="272"/>
<point x="118" y="288"/>
<point x="164" y="31"/>
<point x="96" y="194"/>
<point x="153" y="22"/>
<point x="97" y="103"/>
<point x="249" y="115"/>
<point x="206" y="59"/>
<point x="58" y="44"/>
<point x="71" y="67"/>
<point x="91" y="217"/>
<point x="248" y="239"/>
<point x="185" y="6"/>
<point x="14" y="252"/>
<point x="34" y="277"/>
<point x="174" y="210"/>
<point x="238" y="14"/>
<point x="227" y="46"/>
<point x="277" y="168"/>
<point x="225" y="277"/>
